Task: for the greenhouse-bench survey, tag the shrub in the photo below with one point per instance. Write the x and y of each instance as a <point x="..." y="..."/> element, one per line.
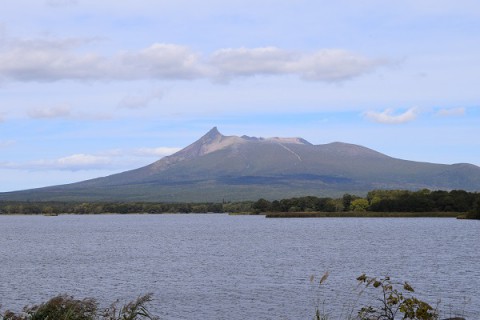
<point x="64" y="307"/>
<point x="395" y="299"/>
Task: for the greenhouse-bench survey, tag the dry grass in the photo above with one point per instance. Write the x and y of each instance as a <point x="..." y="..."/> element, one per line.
<point x="362" y="215"/>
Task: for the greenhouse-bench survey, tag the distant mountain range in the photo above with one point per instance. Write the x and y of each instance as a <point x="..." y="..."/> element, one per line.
<point x="232" y="168"/>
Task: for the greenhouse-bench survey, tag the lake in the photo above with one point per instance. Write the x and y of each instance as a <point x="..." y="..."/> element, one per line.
<point x="213" y="266"/>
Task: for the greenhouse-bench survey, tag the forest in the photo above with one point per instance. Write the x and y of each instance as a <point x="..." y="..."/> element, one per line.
<point x="459" y="201"/>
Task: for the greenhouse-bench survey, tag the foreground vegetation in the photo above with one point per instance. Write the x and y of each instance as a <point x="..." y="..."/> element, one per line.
<point x="65" y="307"/>
<point x="387" y="300"/>
<point x="390" y="300"/>
<point x="395" y="299"/>
<point x="423" y="202"/>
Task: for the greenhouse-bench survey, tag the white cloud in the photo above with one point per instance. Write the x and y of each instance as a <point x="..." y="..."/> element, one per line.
<point x="334" y="65"/>
<point x="389" y="116"/>
<point x="156" y="152"/>
<point x="62" y="111"/>
<point x="322" y="65"/>
<point x="57" y="59"/>
<point x="73" y="162"/>
<point x="62" y="59"/>
<point x="160" y="61"/>
<point x="250" y="62"/>
<point x="138" y="101"/>
<point x="47" y="60"/>
<point x="453" y="112"/>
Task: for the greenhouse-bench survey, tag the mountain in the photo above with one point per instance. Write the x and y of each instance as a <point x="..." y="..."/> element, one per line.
<point x="218" y="167"/>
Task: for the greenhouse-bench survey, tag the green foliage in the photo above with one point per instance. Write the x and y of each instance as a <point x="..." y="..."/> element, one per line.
<point x="131" y="311"/>
<point x="395" y="299"/>
<point x="10" y="207"/>
<point x="347" y="201"/>
<point x="64" y="307"/>
<point x="60" y="307"/>
<point x="359" y="205"/>
<point x="300" y="204"/>
<point x="261" y="205"/>
<point x="238" y="207"/>
<point x="392" y="300"/>
<point x="423" y="201"/>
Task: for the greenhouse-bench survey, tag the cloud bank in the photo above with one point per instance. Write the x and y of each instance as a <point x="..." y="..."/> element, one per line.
<point x="322" y="65"/>
<point x="49" y="60"/>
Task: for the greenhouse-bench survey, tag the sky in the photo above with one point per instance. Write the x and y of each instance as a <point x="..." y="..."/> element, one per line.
<point x="91" y="88"/>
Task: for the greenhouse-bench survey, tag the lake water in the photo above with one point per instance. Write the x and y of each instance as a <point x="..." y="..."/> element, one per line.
<point x="236" y="267"/>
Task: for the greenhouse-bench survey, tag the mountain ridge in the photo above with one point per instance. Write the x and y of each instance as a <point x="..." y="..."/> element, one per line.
<point x="218" y="167"/>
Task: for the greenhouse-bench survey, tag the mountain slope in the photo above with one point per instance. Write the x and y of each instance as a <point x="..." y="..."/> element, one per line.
<point x="218" y="167"/>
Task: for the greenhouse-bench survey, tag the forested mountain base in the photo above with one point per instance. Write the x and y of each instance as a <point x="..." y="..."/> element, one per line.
<point x="464" y="203"/>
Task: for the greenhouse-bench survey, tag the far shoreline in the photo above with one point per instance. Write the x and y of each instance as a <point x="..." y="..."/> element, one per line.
<point x="298" y="214"/>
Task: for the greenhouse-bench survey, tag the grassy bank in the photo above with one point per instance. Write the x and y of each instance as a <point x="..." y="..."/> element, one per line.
<point x="245" y="214"/>
<point x="362" y="214"/>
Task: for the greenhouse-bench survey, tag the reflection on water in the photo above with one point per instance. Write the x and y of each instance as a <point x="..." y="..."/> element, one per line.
<point x="235" y="267"/>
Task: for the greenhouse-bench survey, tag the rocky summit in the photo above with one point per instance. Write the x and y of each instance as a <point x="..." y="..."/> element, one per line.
<point x="234" y="168"/>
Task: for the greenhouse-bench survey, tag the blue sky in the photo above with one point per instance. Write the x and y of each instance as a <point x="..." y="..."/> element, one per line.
<point x="90" y="88"/>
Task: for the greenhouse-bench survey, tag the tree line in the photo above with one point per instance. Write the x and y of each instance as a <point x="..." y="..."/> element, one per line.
<point x="52" y="207"/>
<point x="381" y="201"/>
<point x="375" y="201"/>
